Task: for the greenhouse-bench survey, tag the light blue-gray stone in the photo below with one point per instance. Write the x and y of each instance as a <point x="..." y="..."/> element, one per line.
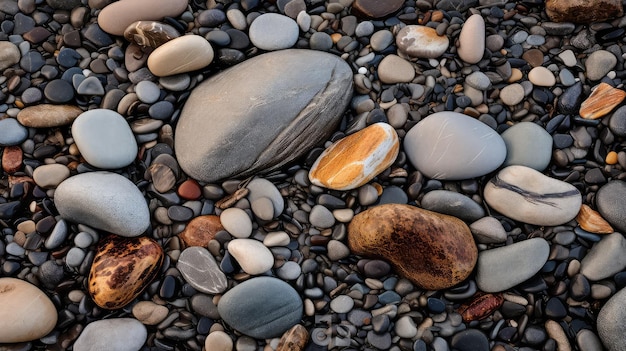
<point x="527" y="144"/>
<point x="273" y="31"/>
<point x="12" y="132"/>
<point x="453" y="204"/>
<point x="261" y="307"/>
<point x="120" y="334"/>
<point x="612" y="322"/>
<point x="262" y="116"/>
<point x="605" y="258"/>
<point x="103" y="200"/>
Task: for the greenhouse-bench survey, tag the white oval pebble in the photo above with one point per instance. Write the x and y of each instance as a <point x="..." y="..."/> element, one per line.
<point x="253" y="257"/>
<point x="167" y="59"/>
<point x="237" y="222"/>
<point x="120" y="334"/>
<point x="50" y="176"/>
<point x="276" y="239"/>
<point x="542" y="77"/>
<point x="272" y="31"/>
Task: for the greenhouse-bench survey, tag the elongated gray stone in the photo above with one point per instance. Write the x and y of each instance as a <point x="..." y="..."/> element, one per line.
<point x="605" y="258"/>
<point x="259" y="115"/>
<point x="612" y="322"/>
<point x="201" y="271"/>
<point x="123" y="334"/>
<point x="526" y="195"/>
<point x="453" y="204"/>
<point x="611" y="202"/>
<point x="504" y="267"/>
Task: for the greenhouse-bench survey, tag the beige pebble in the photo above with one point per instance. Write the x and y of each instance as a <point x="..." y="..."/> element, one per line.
<point x="218" y="341"/>
<point x="26" y="226"/>
<point x="116" y="17"/>
<point x="9" y="54"/>
<point x="541" y="76"/>
<point x="512" y="94"/>
<point x="421" y="42"/>
<point x="516" y="75"/>
<point x="50" y="176"/>
<point x="394" y="69"/>
<point x="149" y="313"/>
<point x="183" y="54"/>
<point x="279" y="238"/>
<point x="556" y="332"/>
<point x="47" y="116"/>
<point x="472" y="39"/>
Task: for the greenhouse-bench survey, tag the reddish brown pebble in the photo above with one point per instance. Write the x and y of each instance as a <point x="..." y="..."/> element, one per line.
<point x="201" y="230"/>
<point x="12" y="159"/>
<point x="482" y="306"/>
<point x="189" y="190"/>
<point x="583" y="11"/>
<point x="601" y="101"/>
<point x="294" y="339"/>
<point x="592" y="221"/>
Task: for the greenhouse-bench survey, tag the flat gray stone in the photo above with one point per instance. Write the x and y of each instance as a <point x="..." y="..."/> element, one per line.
<point x="13" y="133"/>
<point x="122" y="334"/>
<point x="261" y="307"/>
<point x="504" y="267"/>
<point x="611" y="203"/>
<point x="527" y="144"/>
<point x="605" y="258"/>
<point x="453" y="146"/>
<point x="273" y="31"/>
<point x="262" y="116"/>
<point x="453" y="204"/>
<point x="599" y="63"/>
<point x="488" y="230"/>
<point x="612" y="322"/>
<point x="201" y="271"/>
<point x="263" y="188"/>
<point x="103" y="200"/>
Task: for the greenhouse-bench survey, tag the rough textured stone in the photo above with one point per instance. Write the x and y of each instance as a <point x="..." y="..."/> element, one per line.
<point x="150" y="33"/>
<point x="611" y="203"/>
<point x="280" y="120"/>
<point x="583" y="11"/>
<point x="601" y="101"/>
<point x="201" y="230"/>
<point x="612" y="322"/>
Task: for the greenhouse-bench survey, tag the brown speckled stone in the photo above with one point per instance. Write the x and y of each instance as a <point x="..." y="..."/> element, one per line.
<point x="201" y="230"/>
<point x="583" y="11"/>
<point x="12" y="159"/>
<point x="47" y="115"/>
<point x="433" y="250"/>
<point x="122" y="268"/>
<point x="294" y="339"/>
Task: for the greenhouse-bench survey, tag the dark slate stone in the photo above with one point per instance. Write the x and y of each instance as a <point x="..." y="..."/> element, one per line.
<point x="59" y="91"/>
<point x="453" y="204"/>
<point x="470" y="340"/>
<point x="96" y="35"/>
<point x="570" y="100"/>
<point x="555" y="309"/>
<point x="617" y="123"/>
<point x="32" y="62"/>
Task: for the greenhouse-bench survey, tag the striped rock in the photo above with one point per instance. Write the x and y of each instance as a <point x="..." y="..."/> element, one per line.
<point x="357" y="158"/>
<point x="601" y="101"/>
<point x="420" y="42"/>
<point x="526" y="195"/>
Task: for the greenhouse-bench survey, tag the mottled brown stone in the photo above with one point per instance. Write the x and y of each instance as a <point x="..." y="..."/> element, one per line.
<point x="433" y="250"/>
<point x="47" y="116"/>
<point x="583" y="11"/>
<point x="150" y="33"/>
<point x="201" y="230"/>
<point x="294" y="339"/>
<point x="12" y="159"/>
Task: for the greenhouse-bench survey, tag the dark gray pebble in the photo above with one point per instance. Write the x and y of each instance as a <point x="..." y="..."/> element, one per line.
<point x="470" y="340"/>
<point x="59" y="91"/>
<point x="32" y="61"/>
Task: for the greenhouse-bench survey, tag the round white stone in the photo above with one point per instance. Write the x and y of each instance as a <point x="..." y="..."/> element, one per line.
<point x="542" y="77"/>
<point x="253" y="257"/>
<point x="218" y="341"/>
<point x="183" y="54"/>
<point x="272" y="31"/>
<point x="237" y="222"/>
<point x="120" y="334"/>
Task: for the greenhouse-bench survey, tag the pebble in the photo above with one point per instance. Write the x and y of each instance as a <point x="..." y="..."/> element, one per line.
<point x="611" y="326"/>
<point x="472" y="39"/>
<point x="617" y="122"/>
<point x="321" y="217"/>
<point x="218" y="341"/>
<point x="13" y="132"/>
<point x="201" y="230"/>
<point x="337" y="250"/>
<point x="104" y="139"/>
<point x="610" y="202"/>
<point x="470" y="340"/>
<point x="375" y="9"/>
<point x="588" y="340"/>
<point x="105" y="201"/>
<point x="529" y="145"/>
<point x="356" y="159"/>
<point x="205" y="153"/>
<point x="581" y="11"/>
<point x="405" y="327"/>
<point x="453" y="204"/>
<point x="488" y="230"/>
<point x="289" y="271"/>
<point x="150" y="33"/>
<point x="9" y="55"/>
<point x="542" y="77"/>
<point x="253" y="257"/>
<point x="342" y="304"/>
<point x="276" y="239"/>
<point x="381" y="39"/>
<point x="201" y="271"/>
<point x="123" y="334"/>
<point x="504" y="267"/>
<point x="50" y="176"/>
<point x="149" y="313"/>
<point x="165" y="61"/>
<point x="407" y="236"/>
<point x="262" y="307"/>
<point x="416" y="41"/>
<point x="512" y="94"/>
<point x="478" y="80"/>
<point x="116" y="17"/>
<point x="526" y="195"/>
<point x="599" y="63"/>
<point x="272" y="31"/>
<point x="601" y="101"/>
<point x="237" y="222"/>
<point x="605" y="258"/>
<point x="26" y="313"/>
<point x="47" y="115"/>
<point x="263" y="188"/>
<point x="453" y="146"/>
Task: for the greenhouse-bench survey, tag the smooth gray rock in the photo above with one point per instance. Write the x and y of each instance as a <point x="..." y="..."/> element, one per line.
<point x="526" y="195"/>
<point x="261" y="307"/>
<point x="611" y="203"/>
<point x="527" y="144"/>
<point x="261" y="116"/>
<point x="453" y="146"/>
<point x="605" y="258"/>
<point x="201" y="271"/>
<point x="273" y="31"/>
<point x="263" y="188"/>
<point x="612" y="322"/>
<point x="13" y="133"/>
<point x="488" y="230"/>
<point x="453" y="204"/>
<point x="120" y="334"/>
<point x="103" y="200"/>
<point x="587" y="340"/>
<point x="599" y="63"/>
<point x="504" y="267"/>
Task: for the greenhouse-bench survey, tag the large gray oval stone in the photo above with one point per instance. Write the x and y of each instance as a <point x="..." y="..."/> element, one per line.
<point x="612" y="322"/>
<point x="262" y="307"/>
<point x="261" y="114"/>
<point x="611" y="203"/>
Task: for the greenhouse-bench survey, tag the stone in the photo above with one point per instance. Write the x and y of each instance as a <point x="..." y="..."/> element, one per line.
<point x="374" y="9"/>
<point x="453" y="204"/>
<point x="218" y="341"/>
<point x="201" y="230"/>
<point x="583" y="11"/>
<point x="527" y="144"/>
<point x="26" y="313"/>
<point x="433" y="250"/>
<point x="50" y="176"/>
<point x="394" y="69"/>
<point x="120" y="334"/>
<point x="150" y="313"/>
<point x="592" y="221"/>
<point x="453" y="146"/>
<point x="488" y="230"/>
<point x="605" y="258"/>
<point x="165" y="60"/>
<point x="478" y="80"/>
<point x="104" y="139"/>
<point x="13" y="132"/>
<point x="294" y="339"/>
<point x="9" y="55"/>
<point x="280" y="120"/>
<point x="512" y="94"/>
<point x="12" y="158"/>
<point x="588" y="340"/>
<point x="416" y="41"/>
<point x="150" y="33"/>
<point x="122" y="268"/>
<point x="599" y="63"/>
<point x="273" y="31"/>
<point x="602" y="100"/>
<point x="263" y="188"/>
<point x="611" y="203"/>
<point x="542" y="77"/>
<point x="504" y="267"/>
<point x="470" y="340"/>
<point x="201" y="271"/>
<point x="48" y="116"/>
<point x="116" y="17"/>
<point x="617" y="123"/>
<point x="611" y="322"/>
<point x="237" y="222"/>
<point x="356" y="159"/>
<point x="261" y="307"/>
<point x="472" y="39"/>
<point x="405" y="327"/>
<point x="253" y="257"/>
<point x="526" y="195"/>
<point x="337" y="250"/>
<point x="105" y="201"/>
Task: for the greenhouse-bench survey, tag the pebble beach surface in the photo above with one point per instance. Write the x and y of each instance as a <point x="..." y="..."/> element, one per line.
<point x="422" y="175"/>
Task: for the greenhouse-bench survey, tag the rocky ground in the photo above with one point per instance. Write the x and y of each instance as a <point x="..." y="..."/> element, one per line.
<point x="312" y="175"/>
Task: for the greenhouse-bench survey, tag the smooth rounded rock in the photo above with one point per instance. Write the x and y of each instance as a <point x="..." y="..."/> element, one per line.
<point x="453" y="146"/>
<point x="527" y="144"/>
<point x="542" y="77"/>
<point x="47" y="115"/>
<point x="166" y="59"/>
<point x="150" y="33"/>
<point x="50" y="176"/>
<point x="599" y="63"/>
<point x="611" y="203"/>
<point x="237" y="222"/>
<point x="201" y="230"/>
<point x="218" y="341"/>
<point x="488" y="230"/>
<point x="116" y="17"/>
<point x="26" y="313"/>
<point x="273" y="31"/>
<point x="121" y="334"/>
<point x="453" y="204"/>
<point x="261" y="307"/>
<point x="150" y="313"/>
<point x="605" y="258"/>
<point x="472" y="39"/>
<point x="105" y="201"/>
<point x="201" y="271"/>
<point x="611" y="322"/>
<point x="394" y="69"/>
<point x="263" y="188"/>
<point x="512" y="94"/>
<point x="13" y="133"/>
<point x="9" y="55"/>
<point x="104" y="139"/>
<point x="253" y="257"/>
<point x="416" y="41"/>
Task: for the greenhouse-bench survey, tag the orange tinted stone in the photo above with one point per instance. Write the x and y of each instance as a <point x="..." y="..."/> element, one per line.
<point x="601" y="101"/>
<point x="611" y="158"/>
<point x="12" y="159"/>
<point x="592" y="221"/>
<point x="201" y="230"/>
<point x="189" y="190"/>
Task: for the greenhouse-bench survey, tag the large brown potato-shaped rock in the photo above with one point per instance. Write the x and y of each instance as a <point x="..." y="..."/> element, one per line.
<point x="262" y="113"/>
<point x="433" y="250"/>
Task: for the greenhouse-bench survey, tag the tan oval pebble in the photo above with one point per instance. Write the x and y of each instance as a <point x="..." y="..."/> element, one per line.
<point x="394" y="69"/>
<point x="472" y="39"/>
<point x="183" y="54"/>
<point x="512" y="94"/>
<point x="122" y="268"/>
<point x="149" y="313"/>
<point x="556" y="332"/>
<point x="541" y="76"/>
<point x="116" y="17"/>
<point x="276" y="239"/>
<point x="421" y="42"/>
<point x="218" y="341"/>
<point x="26" y="313"/>
<point x="47" y="116"/>
<point x="294" y="339"/>
<point x="49" y="176"/>
<point x="9" y="54"/>
<point x="356" y="159"/>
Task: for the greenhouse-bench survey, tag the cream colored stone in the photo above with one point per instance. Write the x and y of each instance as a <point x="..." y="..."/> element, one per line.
<point x="541" y="76"/>
<point x="149" y="313"/>
<point x="9" y="54"/>
<point x="472" y="39"/>
<point x="26" y="313"/>
<point x="421" y="42"/>
<point x="116" y="17"/>
<point x="394" y="69"/>
<point x="49" y="176"/>
<point x="252" y="255"/>
<point x="218" y="341"/>
<point x="183" y="54"/>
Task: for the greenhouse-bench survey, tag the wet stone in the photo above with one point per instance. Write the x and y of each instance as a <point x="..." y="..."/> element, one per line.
<point x="59" y="91"/>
